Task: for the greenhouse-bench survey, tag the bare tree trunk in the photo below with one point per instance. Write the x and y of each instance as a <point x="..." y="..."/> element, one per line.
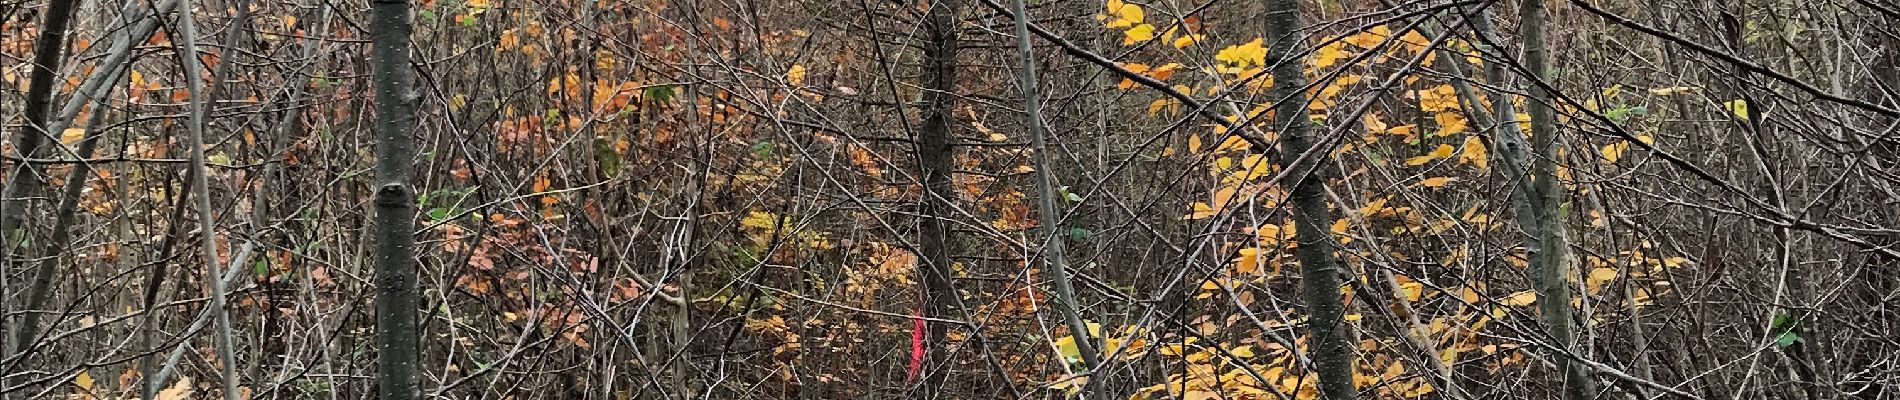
<point x="1049" y="213"/>
<point x="397" y="330"/>
<point x="1328" y="343"/>
<point x="201" y="187"/>
<point x="1548" y="253"/>
<point x="48" y="53"/>
<point x="934" y="155"/>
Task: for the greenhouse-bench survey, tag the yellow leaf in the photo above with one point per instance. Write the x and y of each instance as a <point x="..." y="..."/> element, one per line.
<point x="759" y="220"/>
<point x="1443" y="151"/>
<point x="1449" y="123"/>
<point x="1186" y="40"/>
<point x="1739" y="107"/>
<point x="1166" y="71"/>
<point x="1598" y="277"/>
<point x="1220" y="202"/>
<point x="1374" y="124"/>
<point x="1474" y="153"/>
<point x="1670" y="91"/>
<point x="1155" y="107"/>
<point x="1435" y="182"/>
<point x="605" y="61"/>
<point x="1131" y="13"/>
<point x="1330" y="54"/>
<point x="1413" y="289"/>
<point x="178" y="391"/>
<point x="1523" y="298"/>
<point x="1201" y="211"/>
<point x="1414" y="41"/>
<point x="1251" y="53"/>
<point x="1249" y="260"/>
<point x="1067" y="347"/>
<point x="1138" y="34"/>
<point x="796" y="75"/>
<point x="1614" y="151"/>
<point x="1242" y="351"/>
<point x="1369" y="38"/>
<point x="1340" y="225"/>
<point x="72" y="135"/>
<point x="84" y="382"/>
<point x="1373" y="208"/>
<point x="1235" y="143"/>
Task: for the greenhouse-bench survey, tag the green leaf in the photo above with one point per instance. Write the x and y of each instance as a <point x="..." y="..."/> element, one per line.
<point x="1081" y="234"/>
<point x="1787" y="338"/>
<point x="427" y="14"/>
<point x="438" y="213"/>
<point x="762" y="149"/>
<point x="261" y="267"/>
<point x="604" y="153"/>
<point x="1071" y="196"/>
<point x="1785" y="321"/>
<point x="661" y="93"/>
<point x="1618" y="114"/>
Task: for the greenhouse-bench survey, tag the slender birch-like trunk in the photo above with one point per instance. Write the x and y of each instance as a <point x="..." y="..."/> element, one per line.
<point x="1049" y="213"/>
<point x="200" y="101"/>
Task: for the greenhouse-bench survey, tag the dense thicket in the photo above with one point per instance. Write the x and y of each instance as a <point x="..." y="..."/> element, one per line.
<point x="1238" y="199"/>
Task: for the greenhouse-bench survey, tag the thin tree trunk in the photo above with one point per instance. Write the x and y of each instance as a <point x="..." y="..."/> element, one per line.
<point x="48" y="53"/>
<point x="934" y="155"/>
<point x="1049" y="213"/>
<point x="1328" y="339"/>
<point x="201" y="187"/>
<point x="1547" y="254"/>
<point x="397" y="332"/>
<point x="40" y="289"/>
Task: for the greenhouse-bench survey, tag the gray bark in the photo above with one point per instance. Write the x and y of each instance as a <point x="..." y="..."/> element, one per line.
<point x="1329" y="344"/>
<point x="397" y="333"/>
<point x="201" y="187"/>
<point x="39" y="290"/>
<point x="1049" y="213"/>
<point x="1547" y="253"/>
<point x="48" y="53"/>
<point x="934" y="155"/>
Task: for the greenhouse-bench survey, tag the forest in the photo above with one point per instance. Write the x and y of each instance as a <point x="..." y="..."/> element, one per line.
<point x="950" y="199"/>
